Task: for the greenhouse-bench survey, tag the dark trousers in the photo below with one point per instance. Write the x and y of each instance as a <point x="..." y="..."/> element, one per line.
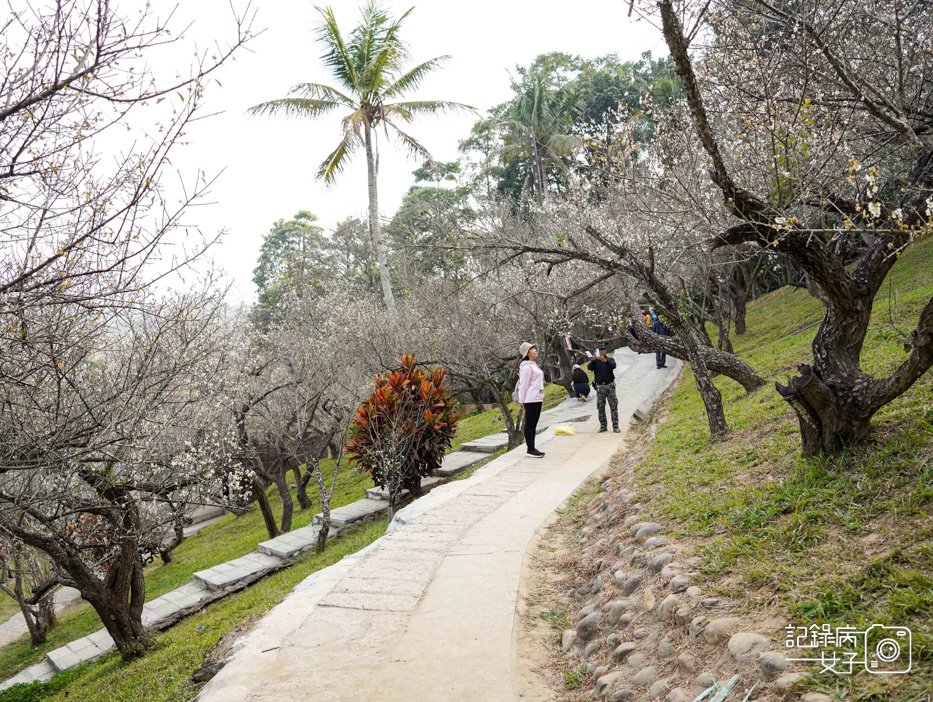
<point x="660" y="359"/>
<point x="581" y="389"/>
<point x="532" y="414"/>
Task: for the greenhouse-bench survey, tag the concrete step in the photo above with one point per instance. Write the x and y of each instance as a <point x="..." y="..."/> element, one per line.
<point x="40" y="671"/>
<point x="487" y="444"/>
<point x="80" y="651"/>
<point x="458" y="461"/>
<point x="354" y="512"/>
<point x="427" y="484"/>
<point x="292" y="544"/>
<point x="233" y="572"/>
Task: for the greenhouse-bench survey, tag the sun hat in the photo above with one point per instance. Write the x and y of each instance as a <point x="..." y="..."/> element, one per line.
<point x="525" y="348"/>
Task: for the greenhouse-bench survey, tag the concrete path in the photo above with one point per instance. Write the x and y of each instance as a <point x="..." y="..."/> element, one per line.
<point x="427" y="612"/>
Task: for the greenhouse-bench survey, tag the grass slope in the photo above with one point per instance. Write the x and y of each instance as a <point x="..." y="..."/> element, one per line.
<point x="846" y="540"/>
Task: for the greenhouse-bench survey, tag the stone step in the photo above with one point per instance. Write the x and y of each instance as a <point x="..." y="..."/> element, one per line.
<point x="487" y="444"/>
<point x="80" y="651"/>
<point x="427" y="484"/>
<point x="292" y="544"/>
<point x="354" y="512"/>
<point x="458" y="461"/>
<point x="542" y="427"/>
<point x="40" y="671"/>
<point x="233" y="572"/>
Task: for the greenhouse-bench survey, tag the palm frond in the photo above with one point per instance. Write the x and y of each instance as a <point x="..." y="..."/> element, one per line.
<point x="338" y="58"/>
<point x="294" y="107"/>
<point x="428" y="107"/>
<point x="415" y="149"/>
<point x="320" y="91"/>
<point x="563" y="144"/>
<point x="337" y="160"/>
<point x="411" y="79"/>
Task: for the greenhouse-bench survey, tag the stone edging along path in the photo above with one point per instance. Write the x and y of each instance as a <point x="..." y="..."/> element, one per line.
<point x="215" y="583"/>
<point x="428" y="611"/>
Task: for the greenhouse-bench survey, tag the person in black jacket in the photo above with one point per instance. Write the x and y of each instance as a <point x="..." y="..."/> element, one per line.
<point x="604" y="378"/>
<point x="580" y="382"/>
<point x="660" y="329"/>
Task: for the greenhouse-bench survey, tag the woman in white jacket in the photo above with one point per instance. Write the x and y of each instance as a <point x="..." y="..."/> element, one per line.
<point x="530" y="390"/>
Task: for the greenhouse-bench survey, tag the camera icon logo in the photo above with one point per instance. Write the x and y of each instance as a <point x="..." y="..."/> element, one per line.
<point x="888" y="650"/>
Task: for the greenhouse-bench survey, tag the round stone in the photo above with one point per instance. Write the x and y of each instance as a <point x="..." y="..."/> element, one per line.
<point x="624" y="620"/>
<point x="623" y="650"/>
<point x="670" y="570"/>
<point x="704" y="680"/>
<point x="687" y="663"/>
<point x="591" y="648"/>
<point x="696" y="626"/>
<point x="639" y="633"/>
<point x="619" y="577"/>
<point x="667" y="607"/>
<point x="567" y="639"/>
<point x="615" y="610"/>
<point x="659" y="561"/>
<point x="658" y="690"/>
<point x="645" y="676"/>
<point x="746" y="645"/>
<point x="647" y="529"/>
<point x="678" y="694"/>
<point x="694" y="591"/>
<point x="787" y="681"/>
<point x="655" y="542"/>
<point x="665" y="649"/>
<point x="635" y="660"/>
<point x="587" y="627"/>
<point x="631" y="584"/>
<point x="613" y="639"/>
<point x="597" y="584"/>
<point x="682" y="615"/>
<point x="816" y="697"/>
<point x="710" y="602"/>
<point x="717" y="630"/>
<point x="772" y="663"/>
<point x="679" y="583"/>
<point x="585" y="612"/>
<point x="614" y="568"/>
<point x="604" y="682"/>
<point x="622" y="696"/>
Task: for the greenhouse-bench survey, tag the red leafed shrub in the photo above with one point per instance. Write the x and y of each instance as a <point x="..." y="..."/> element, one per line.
<point x="402" y="431"/>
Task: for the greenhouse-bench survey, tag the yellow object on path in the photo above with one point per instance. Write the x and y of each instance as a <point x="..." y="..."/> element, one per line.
<point x="564" y="431"/>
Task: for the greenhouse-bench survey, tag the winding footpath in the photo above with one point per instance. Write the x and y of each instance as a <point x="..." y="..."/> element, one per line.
<point x="429" y="610"/>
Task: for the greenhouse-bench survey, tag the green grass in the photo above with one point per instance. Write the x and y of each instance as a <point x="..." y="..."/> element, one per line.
<point x="164" y="675"/>
<point x="778" y="529"/>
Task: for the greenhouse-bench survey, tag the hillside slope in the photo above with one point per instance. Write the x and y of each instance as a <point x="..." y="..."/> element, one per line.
<point x="782" y="540"/>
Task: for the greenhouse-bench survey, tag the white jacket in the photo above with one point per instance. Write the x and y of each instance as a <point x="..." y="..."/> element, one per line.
<point x="530" y="383"/>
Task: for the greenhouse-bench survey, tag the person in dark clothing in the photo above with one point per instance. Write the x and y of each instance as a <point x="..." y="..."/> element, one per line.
<point x="580" y="382"/>
<point x="660" y="329"/>
<point x="604" y="379"/>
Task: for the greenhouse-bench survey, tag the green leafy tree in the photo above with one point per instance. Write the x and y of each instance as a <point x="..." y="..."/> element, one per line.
<point x="293" y="257"/>
<point x="430" y="222"/>
<point x="369" y="67"/>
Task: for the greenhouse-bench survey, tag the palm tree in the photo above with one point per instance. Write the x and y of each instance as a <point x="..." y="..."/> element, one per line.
<point x="537" y="124"/>
<point x="368" y="68"/>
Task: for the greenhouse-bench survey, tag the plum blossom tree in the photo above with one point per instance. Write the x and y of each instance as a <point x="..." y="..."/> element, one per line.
<point x="820" y="151"/>
<point x="106" y="411"/>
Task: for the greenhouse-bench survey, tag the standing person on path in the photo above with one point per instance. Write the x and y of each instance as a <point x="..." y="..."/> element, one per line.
<point x="580" y="382"/>
<point x="660" y="329"/>
<point x="604" y="378"/>
<point x="530" y="394"/>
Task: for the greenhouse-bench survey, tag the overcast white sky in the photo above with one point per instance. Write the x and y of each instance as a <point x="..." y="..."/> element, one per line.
<point x="269" y="164"/>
